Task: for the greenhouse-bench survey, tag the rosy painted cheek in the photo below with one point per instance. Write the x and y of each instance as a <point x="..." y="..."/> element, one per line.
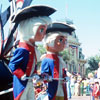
<point x="58" y="43"/>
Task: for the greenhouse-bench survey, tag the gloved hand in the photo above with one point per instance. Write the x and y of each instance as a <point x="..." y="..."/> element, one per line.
<point x="36" y="78"/>
<point x="23" y="78"/>
<point x="46" y="77"/>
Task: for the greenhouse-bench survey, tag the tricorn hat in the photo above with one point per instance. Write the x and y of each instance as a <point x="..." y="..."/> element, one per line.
<point x="60" y="27"/>
<point x="33" y="11"/>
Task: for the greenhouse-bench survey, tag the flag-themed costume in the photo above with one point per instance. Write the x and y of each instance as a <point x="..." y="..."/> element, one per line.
<point x="52" y="63"/>
<point x="31" y="28"/>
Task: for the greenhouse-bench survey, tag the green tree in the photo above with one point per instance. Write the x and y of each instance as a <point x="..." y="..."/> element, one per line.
<point x="93" y="62"/>
<point x="65" y="55"/>
<point x="88" y="70"/>
<point x="41" y="49"/>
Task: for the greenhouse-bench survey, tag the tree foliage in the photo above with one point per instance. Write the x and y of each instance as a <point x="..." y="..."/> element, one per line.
<point x="65" y="55"/>
<point x="93" y="63"/>
<point x="41" y="49"/>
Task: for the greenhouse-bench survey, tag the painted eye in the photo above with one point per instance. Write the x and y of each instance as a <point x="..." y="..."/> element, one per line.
<point x="41" y="30"/>
<point x="60" y="40"/>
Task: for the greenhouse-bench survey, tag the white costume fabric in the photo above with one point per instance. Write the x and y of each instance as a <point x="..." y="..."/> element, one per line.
<point x="60" y="88"/>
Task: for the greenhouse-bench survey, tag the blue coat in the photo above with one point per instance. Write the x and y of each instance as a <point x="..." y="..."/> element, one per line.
<point x="20" y="64"/>
<point x="47" y="66"/>
<point x="50" y="65"/>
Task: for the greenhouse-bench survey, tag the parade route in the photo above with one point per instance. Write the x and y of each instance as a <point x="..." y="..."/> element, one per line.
<point x="80" y="98"/>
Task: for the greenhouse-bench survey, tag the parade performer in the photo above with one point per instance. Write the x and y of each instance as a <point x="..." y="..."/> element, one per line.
<point x="52" y="64"/>
<point x="32" y="24"/>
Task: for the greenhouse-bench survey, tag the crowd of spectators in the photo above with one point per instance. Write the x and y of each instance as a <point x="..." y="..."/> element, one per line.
<point x="78" y="85"/>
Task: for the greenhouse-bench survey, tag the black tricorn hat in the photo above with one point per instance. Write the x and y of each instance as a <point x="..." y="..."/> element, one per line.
<point x="60" y="27"/>
<point x="33" y="11"/>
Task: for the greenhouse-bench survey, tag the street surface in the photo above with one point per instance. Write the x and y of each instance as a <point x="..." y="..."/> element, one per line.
<point x="80" y="98"/>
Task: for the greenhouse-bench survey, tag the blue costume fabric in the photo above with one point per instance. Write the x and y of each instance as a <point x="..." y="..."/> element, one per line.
<point x="47" y="66"/>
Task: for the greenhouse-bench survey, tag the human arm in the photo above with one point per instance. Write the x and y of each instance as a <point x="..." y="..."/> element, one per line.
<point x="97" y="85"/>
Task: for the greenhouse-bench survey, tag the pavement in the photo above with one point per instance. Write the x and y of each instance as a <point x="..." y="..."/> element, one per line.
<point x="80" y="98"/>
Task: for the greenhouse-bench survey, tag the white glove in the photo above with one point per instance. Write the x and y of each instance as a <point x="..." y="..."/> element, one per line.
<point x="23" y="78"/>
<point x="36" y="78"/>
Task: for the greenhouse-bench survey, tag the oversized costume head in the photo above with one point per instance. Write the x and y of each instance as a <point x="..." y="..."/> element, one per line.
<point x="33" y="20"/>
<point x="56" y="36"/>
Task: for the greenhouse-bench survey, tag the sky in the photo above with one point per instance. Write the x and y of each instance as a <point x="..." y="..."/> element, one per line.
<point x="85" y="15"/>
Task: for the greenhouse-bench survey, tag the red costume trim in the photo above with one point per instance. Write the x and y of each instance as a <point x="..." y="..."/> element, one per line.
<point x="32" y="56"/>
<point x="19" y="1"/>
<point x="18" y="97"/>
<point x="18" y="72"/>
<point x="56" y="73"/>
<point x="64" y="86"/>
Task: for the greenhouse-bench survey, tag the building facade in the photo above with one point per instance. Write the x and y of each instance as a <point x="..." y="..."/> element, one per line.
<point x="76" y="62"/>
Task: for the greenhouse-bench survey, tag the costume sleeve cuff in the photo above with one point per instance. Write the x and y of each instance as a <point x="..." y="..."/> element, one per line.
<point x="18" y="72"/>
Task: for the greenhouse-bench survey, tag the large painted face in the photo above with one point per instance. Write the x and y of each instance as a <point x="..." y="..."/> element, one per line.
<point x="33" y="29"/>
<point x="59" y="44"/>
<point x="41" y="31"/>
<point x="39" y="28"/>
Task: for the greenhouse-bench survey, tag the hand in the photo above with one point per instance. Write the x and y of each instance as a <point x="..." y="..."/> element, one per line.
<point x="44" y="76"/>
<point x="48" y="78"/>
<point x="36" y="78"/>
<point x="23" y="78"/>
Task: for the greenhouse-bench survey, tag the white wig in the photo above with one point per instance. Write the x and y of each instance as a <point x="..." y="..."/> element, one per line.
<point x="50" y="38"/>
<point x="28" y="28"/>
